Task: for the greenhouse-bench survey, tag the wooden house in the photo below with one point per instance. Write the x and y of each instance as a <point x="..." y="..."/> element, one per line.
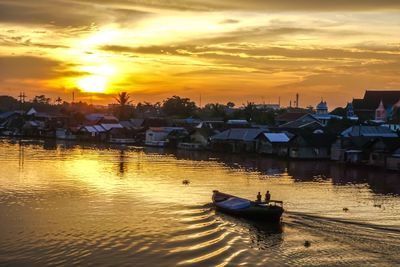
<point x="236" y="140"/>
<point x="273" y="143"/>
<point x="313" y="146"/>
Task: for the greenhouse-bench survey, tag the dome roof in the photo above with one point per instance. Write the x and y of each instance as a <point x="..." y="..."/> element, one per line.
<point x="322" y="105"/>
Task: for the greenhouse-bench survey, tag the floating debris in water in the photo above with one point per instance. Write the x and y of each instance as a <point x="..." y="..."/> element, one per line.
<point x="378" y="205"/>
<point x="307" y="243"/>
<point x="345" y="209"/>
<point x="185" y="182"/>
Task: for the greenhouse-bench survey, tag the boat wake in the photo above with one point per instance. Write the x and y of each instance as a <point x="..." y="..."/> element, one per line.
<point x="211" y="238"/>
<point x="364" y="242"/>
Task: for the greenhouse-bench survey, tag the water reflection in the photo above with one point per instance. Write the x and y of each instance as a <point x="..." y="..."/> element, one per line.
<point x="380" y="181"/>
<point x="262" y="235"/>
<point x="122" y="166"/>
<point x="62" y="196"/>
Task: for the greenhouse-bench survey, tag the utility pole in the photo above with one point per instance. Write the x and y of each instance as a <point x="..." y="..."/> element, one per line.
<point x="297" y="100"/>
<point x="200" y="100"/>
<point x="22" y="97"/>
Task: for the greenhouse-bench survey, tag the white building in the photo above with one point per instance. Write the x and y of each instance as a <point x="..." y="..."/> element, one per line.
<point x="322" y="113"/>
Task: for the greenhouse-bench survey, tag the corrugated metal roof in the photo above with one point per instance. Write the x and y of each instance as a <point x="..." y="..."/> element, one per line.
<point x="99" y="128"/>
<point x="109" y="126"/>
<point x="241" y="134"/>
<point x="90" y="129"/>
<point x="370" y="131"/>
<point x="277" y="137"/>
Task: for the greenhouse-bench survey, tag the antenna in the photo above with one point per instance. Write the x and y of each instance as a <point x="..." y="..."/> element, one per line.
<point x="22" y="97"/>
<point x="200" y="100"/>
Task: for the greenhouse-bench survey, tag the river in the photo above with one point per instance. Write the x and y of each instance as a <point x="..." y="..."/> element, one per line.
<point x="70" y="204"/>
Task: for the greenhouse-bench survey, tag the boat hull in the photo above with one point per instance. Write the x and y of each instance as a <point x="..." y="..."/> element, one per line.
<point x="255" y="211"/>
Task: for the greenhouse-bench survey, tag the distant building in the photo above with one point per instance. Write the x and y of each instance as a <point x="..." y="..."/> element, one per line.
<point x="368" y="131"/>
<point x="350" y="112"/>
<point x="380" y="112"/>
<point x="322" y="113"/>
<point x="365" y="108"/>
<point x="289" y="117"/>
<point x="306" y="121"/>
<point x="322" y="108"/>
<point x="268" y="106"/>
<point x="238" y="123"/>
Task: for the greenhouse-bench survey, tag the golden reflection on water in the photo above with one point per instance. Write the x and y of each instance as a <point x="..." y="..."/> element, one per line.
<point x="120" y="205"/>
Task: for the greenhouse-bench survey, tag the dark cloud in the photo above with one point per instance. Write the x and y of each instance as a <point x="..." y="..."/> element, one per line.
<point x="262" y="5"/>
<point x="63" y="13"/>
<point x="85" y="12"/>
<point x="14" y="40"/>
<point x="33" y="68"/>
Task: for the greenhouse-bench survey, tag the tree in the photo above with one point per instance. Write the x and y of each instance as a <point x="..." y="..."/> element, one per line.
<point x="8" y="103"/>
<point x="230" y="104"/>
<point x="253" y="114"/>
<point x="214" y="110"/>
<point x="58" y="101"/>
<point x="123" y="99"/>
<point x="180" y="107"/>
<point x="339" y="111"/>
<point x="123" y="102"/>
<point x="41" y="99"/>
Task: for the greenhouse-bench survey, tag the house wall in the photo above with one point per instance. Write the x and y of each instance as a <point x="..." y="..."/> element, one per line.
<point x="353" y="158"/>
<point x="308" y="153"/>
<point x="337" y="154"/>
<point x="199" y="138"/>
<point x="155" y="136"/>
<point x="265" y="148"/>
<point x="234" y="146"/>
<point x="377" y="159"/>
<point x="393" y="163"/>
<point x="268" y="148"/>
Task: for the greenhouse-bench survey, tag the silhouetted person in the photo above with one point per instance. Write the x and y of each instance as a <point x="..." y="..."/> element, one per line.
<point x="258" y="197"/>
<point x="267" y="197"/>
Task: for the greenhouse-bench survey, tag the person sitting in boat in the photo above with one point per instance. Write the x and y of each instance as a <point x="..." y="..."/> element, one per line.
<point x="258" y="197"/>
<point x="267" y="197"/>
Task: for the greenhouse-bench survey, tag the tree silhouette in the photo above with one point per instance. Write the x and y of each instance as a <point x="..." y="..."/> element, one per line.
<point x="180" y="107"/>
<point x="123" y="102"/>
<point x="58" y="101"/>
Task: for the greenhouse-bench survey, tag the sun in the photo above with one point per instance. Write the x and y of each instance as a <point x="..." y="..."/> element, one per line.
<point x="93" y="84"/>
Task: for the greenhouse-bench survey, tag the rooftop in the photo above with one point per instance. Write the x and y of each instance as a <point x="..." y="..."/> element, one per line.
<point x="368" y="131"/>
<point x="372" y="98"/>
<point x="241" y="134"/>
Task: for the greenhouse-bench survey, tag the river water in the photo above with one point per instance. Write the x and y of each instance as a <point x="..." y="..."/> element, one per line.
<point x="69" y="204"/>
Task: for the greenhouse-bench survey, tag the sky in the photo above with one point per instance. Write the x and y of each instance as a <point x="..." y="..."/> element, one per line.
<point x="216" y="51"/>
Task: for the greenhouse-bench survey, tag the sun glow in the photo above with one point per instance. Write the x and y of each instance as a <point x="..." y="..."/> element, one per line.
<point x="98" y="80"/>
<point x="93" y="84"/>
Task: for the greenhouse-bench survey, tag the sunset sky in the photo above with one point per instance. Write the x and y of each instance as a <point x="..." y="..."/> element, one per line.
<point x="236" y="50"/>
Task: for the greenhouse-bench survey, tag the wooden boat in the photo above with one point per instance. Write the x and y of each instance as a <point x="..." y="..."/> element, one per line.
<point x="241" y="207"/>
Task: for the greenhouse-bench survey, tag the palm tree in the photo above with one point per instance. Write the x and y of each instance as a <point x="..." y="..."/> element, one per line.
<point x="123" y="101"/>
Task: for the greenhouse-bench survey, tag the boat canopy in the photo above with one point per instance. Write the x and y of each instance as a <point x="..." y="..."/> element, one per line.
<point x="234" y="203"/>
